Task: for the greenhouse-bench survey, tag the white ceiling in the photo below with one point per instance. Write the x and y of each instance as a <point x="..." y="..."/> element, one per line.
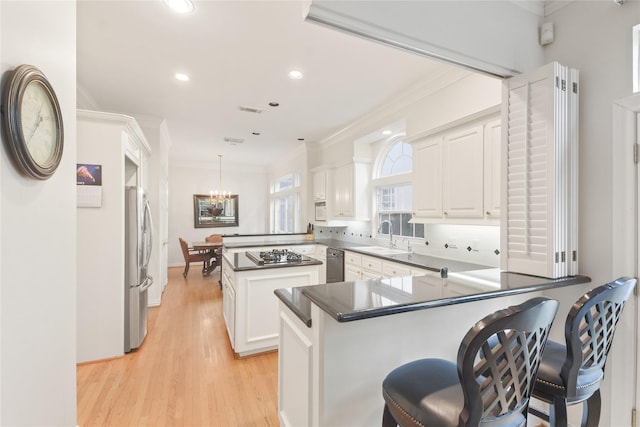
<point x="236" y="53"/>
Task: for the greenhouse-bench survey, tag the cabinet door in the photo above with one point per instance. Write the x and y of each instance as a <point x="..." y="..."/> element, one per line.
<point x="343" y="191"/>
<point x="352" y="272"/>
<point x="492" y="172"/>
<point x="427" y="178"/>
<point x="320" y="186"/>
<point x="463" y="179"/>
<point x="229" y="311"/>
<point x="394" y="269"/>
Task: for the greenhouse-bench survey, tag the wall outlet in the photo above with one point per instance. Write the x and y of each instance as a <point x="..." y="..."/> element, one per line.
<point x="474" y="245"/>
<point x="453" y="242"/>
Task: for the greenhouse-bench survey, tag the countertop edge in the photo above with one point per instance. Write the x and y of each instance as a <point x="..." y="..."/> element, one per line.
<point x="409" y="307"/>
<point x="304" y="317"/>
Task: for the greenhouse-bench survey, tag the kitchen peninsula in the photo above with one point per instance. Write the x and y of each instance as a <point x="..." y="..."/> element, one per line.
<point x="339" y="340"/>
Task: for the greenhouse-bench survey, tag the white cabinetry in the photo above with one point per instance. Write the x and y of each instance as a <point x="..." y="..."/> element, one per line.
<point x="394" y="269"/>
<point x="350" y="191"/>
<point x="320" y="253"/>
<point x="427" y="181"/>
<point x="363" y="267"/>
<point x="457" y="174"/>
<point x="228" y="299"/>
<point x="295" y="371"/>
<point x="251" y="307"/>
<point x="463" y="173"/>
<point x="343" y="191"/>
<point x="319" y="183"/>
<point x="492" y="171"/>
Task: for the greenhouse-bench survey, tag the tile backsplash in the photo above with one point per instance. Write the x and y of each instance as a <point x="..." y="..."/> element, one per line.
<point x="477" y="244"/>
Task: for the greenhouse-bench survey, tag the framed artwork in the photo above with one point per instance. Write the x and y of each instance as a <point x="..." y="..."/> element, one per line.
<point x="211" y="211"/>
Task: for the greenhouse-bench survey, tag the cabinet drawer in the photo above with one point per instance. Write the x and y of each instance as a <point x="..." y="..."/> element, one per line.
<point x="392" y="269"/>
<point x="351" y="258"/>
<point x="373" y="264"/>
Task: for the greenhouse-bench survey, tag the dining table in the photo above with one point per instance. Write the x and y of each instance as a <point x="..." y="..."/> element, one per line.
<point x="209" y="247"/>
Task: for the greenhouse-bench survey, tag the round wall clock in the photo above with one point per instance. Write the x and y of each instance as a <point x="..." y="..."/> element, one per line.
<point x="32" y="122"/>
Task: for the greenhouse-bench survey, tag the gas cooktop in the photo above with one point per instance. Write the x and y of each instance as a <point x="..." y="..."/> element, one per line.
<point x="276" y="256"/>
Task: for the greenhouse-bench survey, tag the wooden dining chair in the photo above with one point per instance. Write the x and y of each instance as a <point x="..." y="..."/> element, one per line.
<point x="216" y="254"/>
<point x="193" y="256"/>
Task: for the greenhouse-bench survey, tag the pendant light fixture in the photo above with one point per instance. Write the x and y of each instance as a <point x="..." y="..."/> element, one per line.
<point x="218" y="197"/>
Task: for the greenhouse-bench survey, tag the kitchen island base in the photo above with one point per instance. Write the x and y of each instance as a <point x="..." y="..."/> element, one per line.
<point x="330" y="374"/>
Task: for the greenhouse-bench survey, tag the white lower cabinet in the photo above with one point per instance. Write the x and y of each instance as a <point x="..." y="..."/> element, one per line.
<point x="251" y="307"/>
<point x="295" y="374"/>
<point x="228" y="299"/>
<point x="363" y="267"/>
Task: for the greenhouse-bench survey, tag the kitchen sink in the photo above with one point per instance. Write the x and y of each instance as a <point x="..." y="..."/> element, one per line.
<point x="380" y="250"/>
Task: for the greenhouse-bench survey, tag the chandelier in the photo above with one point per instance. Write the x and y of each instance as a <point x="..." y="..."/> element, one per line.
<point x="218" y="197"/>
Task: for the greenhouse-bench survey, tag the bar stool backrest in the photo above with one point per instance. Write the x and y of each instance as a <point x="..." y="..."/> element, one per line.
<point x="498" y="361"/>
<point x="589" y="330"/>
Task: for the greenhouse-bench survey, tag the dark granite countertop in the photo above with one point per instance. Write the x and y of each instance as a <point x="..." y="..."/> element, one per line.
<point x="240" y="262"/>
<point x="283" y="241"/>
<point x="443" y="265"/>
<point x="364" y="299"/>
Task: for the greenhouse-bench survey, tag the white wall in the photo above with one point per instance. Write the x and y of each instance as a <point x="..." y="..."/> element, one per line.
<point x="596" y="38"/>
<point x="251" y="185"/>
<point x="37" y="226"/>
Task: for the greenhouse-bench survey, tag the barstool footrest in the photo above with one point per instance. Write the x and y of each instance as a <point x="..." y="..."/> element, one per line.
<point x="538" y="413"/>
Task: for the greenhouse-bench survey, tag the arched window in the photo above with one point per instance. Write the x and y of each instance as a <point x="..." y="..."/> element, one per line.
<point x="398" y="159"/>
<point x="394" y="191"/>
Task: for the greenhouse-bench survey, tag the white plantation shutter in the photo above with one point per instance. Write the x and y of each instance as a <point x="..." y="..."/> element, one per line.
<point x="539" y="160"/>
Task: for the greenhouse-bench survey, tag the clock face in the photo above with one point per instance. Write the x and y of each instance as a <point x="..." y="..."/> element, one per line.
<point x="39" y="124"/>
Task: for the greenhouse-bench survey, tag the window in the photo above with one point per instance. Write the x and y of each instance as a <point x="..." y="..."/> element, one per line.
<point x="285" y="203"/>
<point x="394" y="191"/>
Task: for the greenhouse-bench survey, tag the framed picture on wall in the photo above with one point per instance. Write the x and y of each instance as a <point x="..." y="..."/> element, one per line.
<point x="213" y="211"/>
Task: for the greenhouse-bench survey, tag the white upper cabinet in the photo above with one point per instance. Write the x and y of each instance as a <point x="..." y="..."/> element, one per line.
<point x="351" y="191"/>
<point x="343" y="192"/>
<point x="456" y="174"/>
<point x="463" y="173"/>
<point x="492" y="172"/>
<point x="320" y="186"/>
<point x="427" y="178"/>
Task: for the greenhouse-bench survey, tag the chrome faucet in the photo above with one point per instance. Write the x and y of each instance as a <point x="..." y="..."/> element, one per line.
<point x="408" y="243"/>
<point x="391" y="243"/>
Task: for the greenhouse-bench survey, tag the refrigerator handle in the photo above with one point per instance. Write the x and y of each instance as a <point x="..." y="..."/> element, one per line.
<point x="148" y="224"/>
<point x="147" y="284"/>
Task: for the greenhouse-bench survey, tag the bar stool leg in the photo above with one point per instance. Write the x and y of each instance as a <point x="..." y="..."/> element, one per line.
<point x="591" y="410"/>
<point x="387" y="418"/>
<point x="558" y="413"/>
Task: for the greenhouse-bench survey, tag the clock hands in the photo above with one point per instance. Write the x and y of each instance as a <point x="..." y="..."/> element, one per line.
<point x="37" y="125"/>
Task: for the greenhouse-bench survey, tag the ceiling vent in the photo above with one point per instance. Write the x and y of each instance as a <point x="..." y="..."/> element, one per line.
<point x="233" y="141"/>
<point x="250" y="109"/>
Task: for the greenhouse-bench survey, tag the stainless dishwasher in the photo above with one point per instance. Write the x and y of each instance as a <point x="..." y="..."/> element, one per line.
<point x="335" y="265"/>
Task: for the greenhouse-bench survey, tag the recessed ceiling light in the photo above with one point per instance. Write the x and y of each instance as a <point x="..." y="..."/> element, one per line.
<point x="274" y="104"/>
<point x="179" y="6"/>
<point x="182" y="77"/>
<point x="295" y="74"/>
<point x="386" y="132"/>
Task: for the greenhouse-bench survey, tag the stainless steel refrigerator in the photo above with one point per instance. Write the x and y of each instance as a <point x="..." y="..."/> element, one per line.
<point x="138" y="243"/>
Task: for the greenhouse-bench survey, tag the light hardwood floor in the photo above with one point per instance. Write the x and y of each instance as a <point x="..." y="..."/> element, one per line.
<point x="185" y="373"/>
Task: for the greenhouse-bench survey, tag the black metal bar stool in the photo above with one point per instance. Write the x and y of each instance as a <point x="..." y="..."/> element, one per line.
<point x="491" y="383"/>
<point x="572" y="373"/>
